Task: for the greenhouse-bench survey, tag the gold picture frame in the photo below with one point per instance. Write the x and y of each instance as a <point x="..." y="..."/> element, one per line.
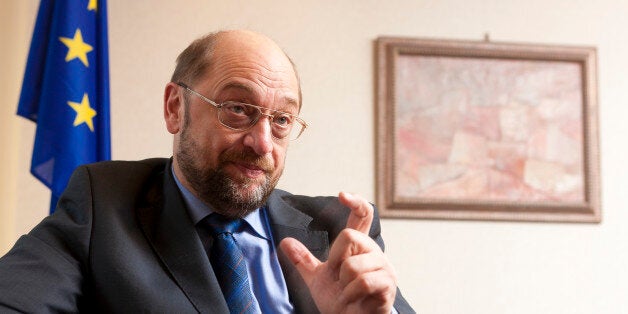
<point x="477" y="130"/>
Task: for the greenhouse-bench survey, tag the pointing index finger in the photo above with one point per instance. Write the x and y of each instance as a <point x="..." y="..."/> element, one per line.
<point x="361" y="215"/>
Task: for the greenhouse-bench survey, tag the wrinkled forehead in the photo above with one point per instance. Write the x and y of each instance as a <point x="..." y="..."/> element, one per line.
<point x="256" y="58"/>
<point x="285" y="99"/>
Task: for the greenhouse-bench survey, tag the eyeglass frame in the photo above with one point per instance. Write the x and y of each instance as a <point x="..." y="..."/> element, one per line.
<point x="253" y="123"/>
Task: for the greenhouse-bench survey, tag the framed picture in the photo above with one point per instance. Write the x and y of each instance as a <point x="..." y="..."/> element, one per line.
<point x="486" y="131"/>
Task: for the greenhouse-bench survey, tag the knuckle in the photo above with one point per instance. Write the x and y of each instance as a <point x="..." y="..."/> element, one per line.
<point x="366" y="283"/>
<point x="349" y="234"/>
<point x="350" y="269"/>
<point x="345" y="235"/>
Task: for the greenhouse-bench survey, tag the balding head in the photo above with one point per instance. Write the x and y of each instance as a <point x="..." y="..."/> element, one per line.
<point x="204" y="54"/>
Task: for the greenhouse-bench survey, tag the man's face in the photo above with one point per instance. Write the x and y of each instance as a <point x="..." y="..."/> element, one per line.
<point x="235" y="171"/>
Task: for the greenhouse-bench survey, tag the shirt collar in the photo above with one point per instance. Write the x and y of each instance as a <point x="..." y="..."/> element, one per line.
<point x="198" y="210"/>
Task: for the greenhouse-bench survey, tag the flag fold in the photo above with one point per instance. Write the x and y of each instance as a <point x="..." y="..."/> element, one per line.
<point x="66" y="90"/>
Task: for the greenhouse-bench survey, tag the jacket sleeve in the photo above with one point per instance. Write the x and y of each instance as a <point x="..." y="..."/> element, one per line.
<point x="45" y="270"/>
<point x="401" y="305"/>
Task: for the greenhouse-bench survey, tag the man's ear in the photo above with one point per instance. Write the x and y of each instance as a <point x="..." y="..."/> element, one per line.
<point x="173" y="107"/>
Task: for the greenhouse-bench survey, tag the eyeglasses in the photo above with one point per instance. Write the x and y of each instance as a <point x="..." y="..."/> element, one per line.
<point x="240" y="117"/>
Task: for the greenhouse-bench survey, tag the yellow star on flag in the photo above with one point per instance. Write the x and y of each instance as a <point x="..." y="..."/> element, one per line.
<point x="77" y="48"/>
<point x="92" y="5"/>
<point x="84" y="113"/>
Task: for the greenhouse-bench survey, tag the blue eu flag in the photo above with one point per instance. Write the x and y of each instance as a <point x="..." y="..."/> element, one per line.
<point x="66" y="90"/>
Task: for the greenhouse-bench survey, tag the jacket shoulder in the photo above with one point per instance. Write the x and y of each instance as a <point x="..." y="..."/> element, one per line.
<point x="121" y="166"/>
<point x="118" y="176"/>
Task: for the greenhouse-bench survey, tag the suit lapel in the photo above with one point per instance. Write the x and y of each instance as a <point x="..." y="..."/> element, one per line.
<point x="288" y="221"/>
<point x="169" y="229"/>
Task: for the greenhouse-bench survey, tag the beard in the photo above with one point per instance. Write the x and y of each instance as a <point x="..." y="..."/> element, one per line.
<point x="231" y="196"/>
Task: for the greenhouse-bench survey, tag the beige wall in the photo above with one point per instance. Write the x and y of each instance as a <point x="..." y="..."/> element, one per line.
<point x="443" y="266"/>
<point x="16" y="23"/>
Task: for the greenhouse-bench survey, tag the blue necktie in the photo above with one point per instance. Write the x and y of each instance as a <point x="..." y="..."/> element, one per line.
<point x="229" y="265"/>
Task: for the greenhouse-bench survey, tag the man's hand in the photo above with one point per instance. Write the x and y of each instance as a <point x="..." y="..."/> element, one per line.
<point x="357" y="277"/>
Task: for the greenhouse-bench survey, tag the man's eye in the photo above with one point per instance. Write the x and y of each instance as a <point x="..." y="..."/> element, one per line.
<point x="283" y="120"/>
<point x="236" y="108"/>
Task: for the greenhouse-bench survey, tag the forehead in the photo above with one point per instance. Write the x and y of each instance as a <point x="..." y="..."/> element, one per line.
<point x="253" y="66"/>
<point x="252" y="93"/>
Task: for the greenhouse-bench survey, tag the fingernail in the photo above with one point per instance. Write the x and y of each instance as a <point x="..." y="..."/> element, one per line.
<point x="348" y="195"/>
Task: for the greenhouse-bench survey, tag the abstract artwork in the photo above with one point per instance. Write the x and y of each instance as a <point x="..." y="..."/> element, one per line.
<point x="478" y="130"/>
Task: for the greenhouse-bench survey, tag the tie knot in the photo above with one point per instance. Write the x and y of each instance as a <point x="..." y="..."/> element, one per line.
<point x="218" y="224"/>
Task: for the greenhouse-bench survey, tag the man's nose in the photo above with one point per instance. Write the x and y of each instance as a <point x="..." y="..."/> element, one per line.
<point x="260" y="137"/>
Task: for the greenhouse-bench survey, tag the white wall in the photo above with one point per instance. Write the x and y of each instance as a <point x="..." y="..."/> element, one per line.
<point x="443" y="266"/>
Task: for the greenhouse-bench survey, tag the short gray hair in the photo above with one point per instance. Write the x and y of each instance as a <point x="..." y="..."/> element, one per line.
<point x="193" y="62"/>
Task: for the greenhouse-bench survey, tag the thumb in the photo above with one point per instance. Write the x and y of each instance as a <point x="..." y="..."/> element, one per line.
<point x="301" y="258"/>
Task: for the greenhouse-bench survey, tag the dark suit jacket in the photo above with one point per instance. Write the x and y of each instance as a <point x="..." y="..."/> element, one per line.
<point x="121" y="240"/>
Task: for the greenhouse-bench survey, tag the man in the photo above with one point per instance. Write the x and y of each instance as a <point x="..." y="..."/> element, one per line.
<point x="140" y="236"/>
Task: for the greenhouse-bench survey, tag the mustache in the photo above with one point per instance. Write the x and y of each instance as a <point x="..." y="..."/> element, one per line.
<point x="247" y="157"/>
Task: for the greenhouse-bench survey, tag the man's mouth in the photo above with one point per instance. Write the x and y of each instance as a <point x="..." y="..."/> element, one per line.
<point x="250" y="170"/>
<point x="247" y="164"/>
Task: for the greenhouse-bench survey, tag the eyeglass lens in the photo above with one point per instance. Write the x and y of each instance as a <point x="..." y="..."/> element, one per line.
<point x="242" y="116"/>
